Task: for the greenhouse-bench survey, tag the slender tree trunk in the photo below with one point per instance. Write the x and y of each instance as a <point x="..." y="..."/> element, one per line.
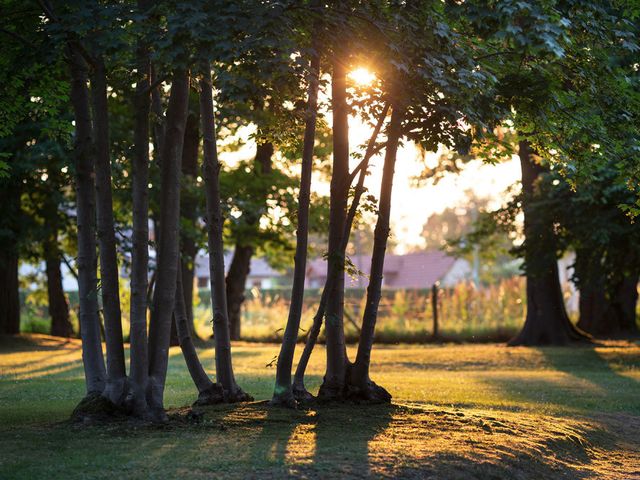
<point x="361" y="385"/>
<point x="93" y="361"/>
<point x="116" y="387"/>
<point x="243" y="252"/>
<point x="224" y="368"/>
<point x="9" y="293"/>
<point x="283" y="392"/>
<point x="235" y="285"/>
<point x="334" y="379"/>
<point x="58" y="304"/>
<point x="547" y="322"/>
<point x="190" y="209"/>
<point x="208" y="392"/>
<point x="139" y="360"/>
<point x="169" y="251"/>
<point x="299" y="389"/>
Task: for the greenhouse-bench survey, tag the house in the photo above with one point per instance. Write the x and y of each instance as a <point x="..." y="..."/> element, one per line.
<point x="261" y="275"/>
<point x="413" y="270"/>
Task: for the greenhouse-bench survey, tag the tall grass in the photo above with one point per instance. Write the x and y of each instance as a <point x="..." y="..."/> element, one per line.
<point x="492" y="312"/>
<point x="488" y="313"/>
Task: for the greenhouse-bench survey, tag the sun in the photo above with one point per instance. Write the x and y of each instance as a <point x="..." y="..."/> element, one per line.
<point x="362" y="77"/>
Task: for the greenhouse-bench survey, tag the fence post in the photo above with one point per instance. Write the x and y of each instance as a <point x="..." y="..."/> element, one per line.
<point x="434" y="306"/>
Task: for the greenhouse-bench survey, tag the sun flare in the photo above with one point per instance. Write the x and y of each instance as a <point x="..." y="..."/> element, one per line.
<point x="362" y="77"/>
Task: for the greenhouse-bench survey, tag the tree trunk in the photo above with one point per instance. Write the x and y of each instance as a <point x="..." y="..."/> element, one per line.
<point x="360" y="385"/>
<point x="334" y="379"/>
<point x="188" y="217"/>
<point x="208" y="392"/>
<point x="243" y="252"/>
<point x="235" y="285"/>
<point x="9" y="293"/>
<point x="92" y="358"/>
<point x="593" y="303"/>
<point x="623" y="301"/>
<point x="58" y="304"/>
<point x="283" y="392"/>
<point x="139" y="360"/>
<point x="299" y="389"/>
<point x="115" y="389"/>
<point x="169" y="250"/>
<point x="547" y="322"/>
<point x="224" y="368"/>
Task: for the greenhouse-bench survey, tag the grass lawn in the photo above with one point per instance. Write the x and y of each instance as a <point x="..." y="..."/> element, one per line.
<point x="459" y="411"/>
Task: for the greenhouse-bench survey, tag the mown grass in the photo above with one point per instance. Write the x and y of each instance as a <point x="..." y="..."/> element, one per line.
<point x="460" y="411"/>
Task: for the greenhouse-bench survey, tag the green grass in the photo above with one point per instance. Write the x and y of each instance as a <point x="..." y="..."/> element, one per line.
<point x="460" y="411"/>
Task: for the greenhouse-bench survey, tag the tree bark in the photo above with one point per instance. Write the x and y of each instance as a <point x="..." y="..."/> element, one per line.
<point x="243" y="252"/>
<point x="546" y="322"/>
<point x="299" y="389"/>
<point x="58" y="304"/>
<point x="9" y="293"/>
<point x="169" y="250"/>
<point x="188" y="216"/>
<point x="334" y="379"/>
<point x="92" y="358"/>
<point x="115" y="389"/>
<point x="224" y="367"/>
<point x="208" y="392"/>
<point x="360" y="385"/>
<point x="283" y="392"/>
<point x="235" y="285"/>
<point x="139" y="360"/>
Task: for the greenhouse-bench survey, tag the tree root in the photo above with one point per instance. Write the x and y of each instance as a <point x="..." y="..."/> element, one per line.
<point x="302" y="395"/>
<point x="371" y="393"/>
<point x="216" y="395"/>
<point x="97" y="408"/>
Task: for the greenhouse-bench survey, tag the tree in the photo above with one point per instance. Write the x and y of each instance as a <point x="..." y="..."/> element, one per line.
<point x="283" y="392"/>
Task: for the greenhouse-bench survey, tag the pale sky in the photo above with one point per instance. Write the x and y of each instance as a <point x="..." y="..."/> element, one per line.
<point x="411" y="205"/>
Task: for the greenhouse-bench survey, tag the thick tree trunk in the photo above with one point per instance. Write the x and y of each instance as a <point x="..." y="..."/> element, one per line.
<point x="58" y="304"/>
<point x="593" y="302"/>
<point x="115" y="389"/>
<point x="224" y="368"/>
<point x="623" y="301"/>
<point x="235" y="285"/>
<point x="169" y="251"/>
<point x="243" y="252"/>
<point x="334" y="379"/>
<point x="283" y="392"/>
<point x="546" y="322"/>
<point x="139" y="361"/>
<point x="360" y="385"/>
<point x="299" y="389"/>
<point x="9" y="293"/>
<point x="93" y="361"/>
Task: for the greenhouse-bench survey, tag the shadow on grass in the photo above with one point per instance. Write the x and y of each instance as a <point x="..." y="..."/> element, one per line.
<point x="589" y="382"/>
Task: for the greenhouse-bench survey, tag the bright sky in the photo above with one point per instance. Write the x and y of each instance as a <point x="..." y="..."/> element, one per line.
<point x="411" y="205"/>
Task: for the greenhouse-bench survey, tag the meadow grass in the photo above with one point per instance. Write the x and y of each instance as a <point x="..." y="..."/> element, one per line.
<point x="460" y="411"/>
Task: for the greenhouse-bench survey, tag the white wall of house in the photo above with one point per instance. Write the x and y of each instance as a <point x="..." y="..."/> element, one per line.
<point x="460" y="270"/>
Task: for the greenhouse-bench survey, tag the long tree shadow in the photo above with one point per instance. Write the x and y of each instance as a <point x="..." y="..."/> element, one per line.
<point x="343" y="436"/>
<point x="589" y="382"/>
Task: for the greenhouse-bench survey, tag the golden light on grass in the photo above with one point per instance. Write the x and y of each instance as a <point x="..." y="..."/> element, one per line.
<point x="362" y="77"/>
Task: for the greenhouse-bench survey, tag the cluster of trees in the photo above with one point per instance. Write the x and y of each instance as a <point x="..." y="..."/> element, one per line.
<point x="144" y="82"/>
